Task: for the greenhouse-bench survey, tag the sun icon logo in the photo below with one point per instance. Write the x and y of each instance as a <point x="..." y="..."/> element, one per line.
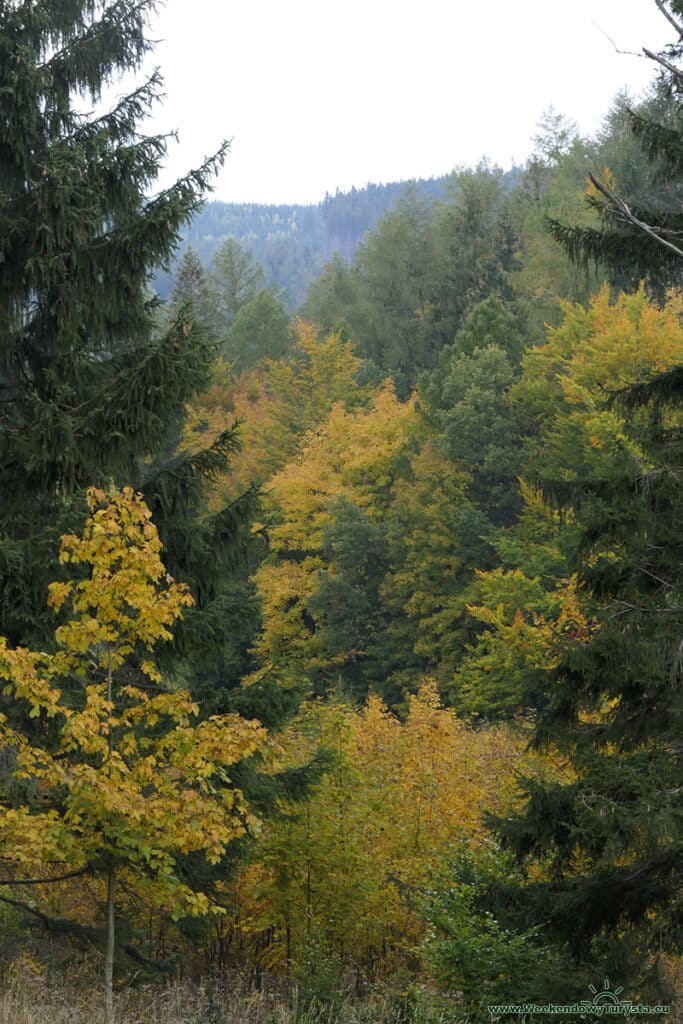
<point x="605" y="994"/>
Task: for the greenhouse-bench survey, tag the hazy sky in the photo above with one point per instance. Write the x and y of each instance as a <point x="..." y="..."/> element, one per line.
<point x="318" y="95"/>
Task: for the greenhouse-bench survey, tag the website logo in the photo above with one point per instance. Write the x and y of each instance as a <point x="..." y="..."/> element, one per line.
<point x="606" y="1002"/>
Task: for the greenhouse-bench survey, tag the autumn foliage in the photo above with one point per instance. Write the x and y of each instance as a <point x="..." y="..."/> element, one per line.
<point x="344" y="871"/>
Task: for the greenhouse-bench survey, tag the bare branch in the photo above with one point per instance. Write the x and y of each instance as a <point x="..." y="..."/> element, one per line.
<point x="621" y="207"/>
<point x="617" y="49"/>
<point x="45" y="881"/>
<point x="676" y="72"/>
<point x="669" y="17"/>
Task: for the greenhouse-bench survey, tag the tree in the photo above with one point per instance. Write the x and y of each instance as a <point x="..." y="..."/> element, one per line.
<point x="477" y="249"/>
<point x="238" y="279"/>
<point x="607" y="836"/>
<point x="554" y="135"/>
<point x="355" y="455"/>
<point x="260" y="330"/>
<point x="192" y="287"/>
<point x="89" y="392"/>
<point x="343" y="870"/>
<point x="636" y="237"/>
<point x="470" y="950"/>
<point x="133" y="780"/>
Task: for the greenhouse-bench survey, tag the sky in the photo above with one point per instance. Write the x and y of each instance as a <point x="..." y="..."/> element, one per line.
<point x="318" y="95"/>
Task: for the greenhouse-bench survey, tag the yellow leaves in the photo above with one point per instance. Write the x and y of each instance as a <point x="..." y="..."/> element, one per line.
<point x="129" y="597"/>
<point x="27" y="677"/>
<point x="57" y="594"/>
<point x="353" y="454"/>
<point x="138" y="776"/>
<point x="345" y="863"/>
<point x="594" y="193"/>
<point x="275" y="405"/>
<point x="527" y="630"/>
<point x="607" y="346"/>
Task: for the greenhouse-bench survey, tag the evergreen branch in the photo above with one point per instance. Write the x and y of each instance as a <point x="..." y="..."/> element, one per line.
<point x="123" y="23"/>
<point x="121" y="119"/>
<point x="665" y="387"/>
<point x="619" y="206"/>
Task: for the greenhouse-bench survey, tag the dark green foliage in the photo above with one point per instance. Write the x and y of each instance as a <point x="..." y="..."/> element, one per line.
<point x="640" y="232"/>
<point x="420" y="272"/>
<point x="479" y="952"/>
<point x="490" y="322"/>
<point x="477" y="243"/>
<point x="259" y="330"/>
<point x="466" y="399"/>
<point x="193" y="288"/>
<point x="237" y="280"/>
<point x="347" y="604"/>
<point x="89" y="392"/>
<point x="611" y="838"/>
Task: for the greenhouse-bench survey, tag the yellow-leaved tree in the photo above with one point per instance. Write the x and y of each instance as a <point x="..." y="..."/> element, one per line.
<point x="128" y="777"/>
<point x="354" y="457"/>
<point x="533" y="607"/>
<point x="340" y="874"/>
<point x="275" y="404"/>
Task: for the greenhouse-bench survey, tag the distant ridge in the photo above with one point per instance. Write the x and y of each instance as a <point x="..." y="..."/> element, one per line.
<point x="294" y="242"/>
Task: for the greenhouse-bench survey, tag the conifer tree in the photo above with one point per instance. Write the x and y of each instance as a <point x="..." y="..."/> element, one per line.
<point x="89" y="391"/>
<point x="92" y="389"/>
<point x="642" y="237"/>
<point x="608" y="835"/>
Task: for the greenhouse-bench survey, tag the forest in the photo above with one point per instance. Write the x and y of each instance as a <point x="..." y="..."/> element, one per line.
<point x="291" y="243"/>
<point x="341" y="576"/>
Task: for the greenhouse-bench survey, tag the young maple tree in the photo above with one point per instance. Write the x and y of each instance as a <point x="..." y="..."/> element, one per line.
<point x="132" y="779"/>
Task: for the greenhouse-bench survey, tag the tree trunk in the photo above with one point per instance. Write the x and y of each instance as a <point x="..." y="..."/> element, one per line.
<point x="111" y="879"/>
<point x="109" y="951"/>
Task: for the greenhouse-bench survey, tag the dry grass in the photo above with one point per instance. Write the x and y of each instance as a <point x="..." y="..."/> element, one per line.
<point x="159" y="1004"/>
<point x="31" y="1001"/>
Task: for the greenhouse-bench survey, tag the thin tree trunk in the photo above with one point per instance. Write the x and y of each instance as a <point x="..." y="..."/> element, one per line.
<point x="111" y="879"/>
<point x="109" y="950"/>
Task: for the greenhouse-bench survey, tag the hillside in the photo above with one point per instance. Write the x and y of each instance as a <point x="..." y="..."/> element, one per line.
<point x="294" y="242"/>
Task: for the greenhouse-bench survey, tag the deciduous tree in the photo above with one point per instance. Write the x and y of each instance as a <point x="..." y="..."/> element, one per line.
<point x="129" y="779"/>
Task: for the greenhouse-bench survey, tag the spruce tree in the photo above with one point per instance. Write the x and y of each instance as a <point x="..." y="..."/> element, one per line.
<point x="610" y="833"/>
<point x="642" y="235"/>
<point x="90" y="391"/>
<point x="93" y="378"/>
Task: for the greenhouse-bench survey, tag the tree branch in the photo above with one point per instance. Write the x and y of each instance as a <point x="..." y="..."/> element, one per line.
<point x="45" y="881"/>
<point x="676" y="72"/>
<point x="659" y="4"/>
<point x="618" y="204"/>
<point x="64" y="926"/>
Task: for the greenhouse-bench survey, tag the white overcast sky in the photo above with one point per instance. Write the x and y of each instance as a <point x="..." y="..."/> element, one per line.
<point x="317" y="95"/>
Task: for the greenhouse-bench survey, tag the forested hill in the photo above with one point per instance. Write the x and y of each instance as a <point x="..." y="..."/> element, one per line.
<point x="294" y="242"/>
